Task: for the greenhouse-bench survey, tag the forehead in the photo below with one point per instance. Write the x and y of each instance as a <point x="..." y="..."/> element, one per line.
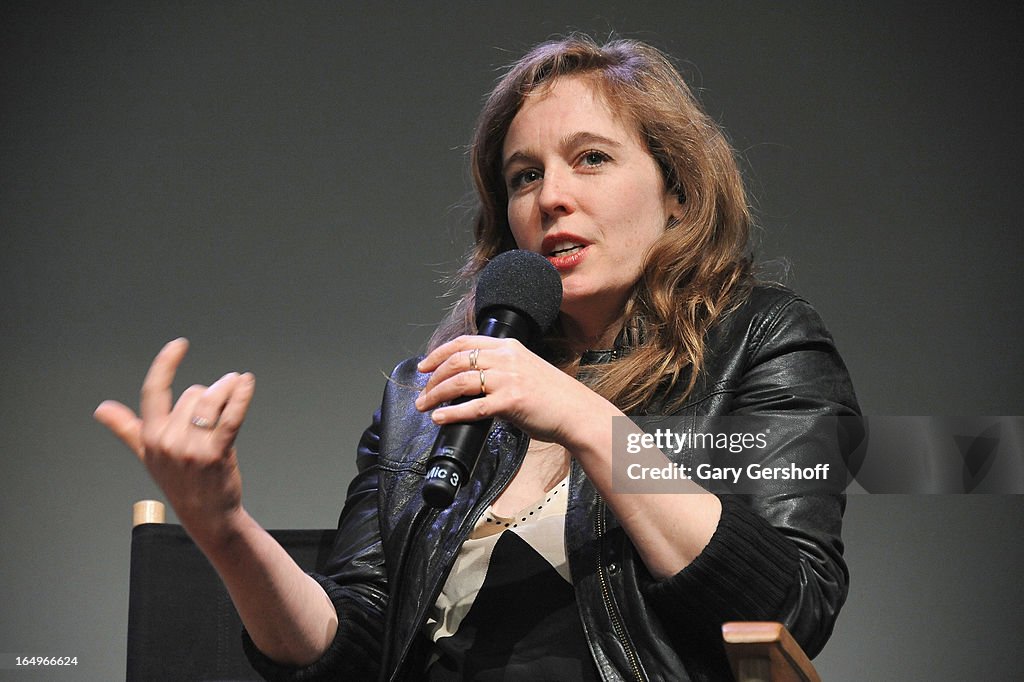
<point x="566" y="105"/>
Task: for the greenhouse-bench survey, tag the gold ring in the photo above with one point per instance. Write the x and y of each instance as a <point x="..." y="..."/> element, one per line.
<point x="473" y="356"/>
<point x="202" y="422"/>
<point x="483" y="384"/>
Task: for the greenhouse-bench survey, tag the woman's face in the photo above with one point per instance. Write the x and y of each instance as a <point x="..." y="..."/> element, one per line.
<point x="584" y="192"/>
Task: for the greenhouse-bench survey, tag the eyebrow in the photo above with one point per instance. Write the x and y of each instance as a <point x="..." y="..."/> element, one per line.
<point x="570" y="141"/>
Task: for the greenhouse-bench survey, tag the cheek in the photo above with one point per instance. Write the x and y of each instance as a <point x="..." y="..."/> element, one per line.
<point x="646" y="211"/>
<point x="518" y="222"/>
<point x="657" y="217"/>
<point x="645" y="228"/>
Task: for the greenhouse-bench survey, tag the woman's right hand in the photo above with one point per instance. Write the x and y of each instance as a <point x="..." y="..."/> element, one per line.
<point x="188" y="446"/>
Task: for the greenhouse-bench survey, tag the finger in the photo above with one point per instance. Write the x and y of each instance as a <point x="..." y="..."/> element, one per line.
<point x="180" y="420"/>
<point x="234" y="412"/>
<point x="460" y="361"/>
<point x="121" y="420"/>
<point x="156" y="398"/>
<point x="471" y="410"/>
<point x="463" y="343"/>
<point x="470" y="353"/>
<point x="471" y="383"/>
<point x="207" y="409"/>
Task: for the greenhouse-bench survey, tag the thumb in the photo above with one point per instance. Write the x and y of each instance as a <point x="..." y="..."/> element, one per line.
<point x="121" y="420"/>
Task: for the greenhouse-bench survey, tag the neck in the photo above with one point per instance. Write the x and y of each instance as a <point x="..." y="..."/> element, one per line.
<point x="593" y="336"/>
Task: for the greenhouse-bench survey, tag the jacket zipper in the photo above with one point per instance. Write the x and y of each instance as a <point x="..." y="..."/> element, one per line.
<point x="610" y="607"/>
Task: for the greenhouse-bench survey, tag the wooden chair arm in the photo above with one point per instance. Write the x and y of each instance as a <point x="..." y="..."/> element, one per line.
<point x="766" y="652"/>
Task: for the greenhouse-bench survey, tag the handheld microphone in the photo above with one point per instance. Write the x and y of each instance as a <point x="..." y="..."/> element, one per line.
<point x="518" y="295"/>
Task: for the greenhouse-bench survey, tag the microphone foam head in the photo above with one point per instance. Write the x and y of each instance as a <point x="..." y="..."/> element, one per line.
<point x="524" y="281"/>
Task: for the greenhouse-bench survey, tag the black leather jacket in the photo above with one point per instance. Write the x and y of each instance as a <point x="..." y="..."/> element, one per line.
<point x="774" y="555"/>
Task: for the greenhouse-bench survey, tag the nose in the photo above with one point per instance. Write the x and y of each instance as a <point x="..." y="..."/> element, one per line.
<point x="556" y="196"/>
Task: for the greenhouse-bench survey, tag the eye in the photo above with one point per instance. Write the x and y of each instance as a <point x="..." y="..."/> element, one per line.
<point x="524" y="177"/>
<point x="593" y="158"/>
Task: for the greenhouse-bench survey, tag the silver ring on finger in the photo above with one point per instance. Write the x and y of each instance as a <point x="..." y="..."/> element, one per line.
<point x="202" y="422"/>
<point x="474" y="355"/>
<point x="483" y="384"/>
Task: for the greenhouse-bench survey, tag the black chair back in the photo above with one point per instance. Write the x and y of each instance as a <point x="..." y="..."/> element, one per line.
<point x="181" y="622"/>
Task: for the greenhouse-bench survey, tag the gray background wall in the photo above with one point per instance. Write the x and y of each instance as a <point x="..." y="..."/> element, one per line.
<point x="285" y="184"/>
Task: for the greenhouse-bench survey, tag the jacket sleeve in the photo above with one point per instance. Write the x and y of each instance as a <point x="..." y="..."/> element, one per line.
<point x="776" y="553"/>
<point x="357" y="585"/>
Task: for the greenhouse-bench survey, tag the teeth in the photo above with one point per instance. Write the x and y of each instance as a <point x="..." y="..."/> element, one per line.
<point x="565" y="248"/>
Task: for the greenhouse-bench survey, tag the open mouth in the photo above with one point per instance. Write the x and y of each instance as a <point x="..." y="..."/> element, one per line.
<point x="564" y="249"/>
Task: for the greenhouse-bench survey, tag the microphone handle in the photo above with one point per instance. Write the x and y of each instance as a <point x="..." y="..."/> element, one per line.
<point x="457" y="446"/>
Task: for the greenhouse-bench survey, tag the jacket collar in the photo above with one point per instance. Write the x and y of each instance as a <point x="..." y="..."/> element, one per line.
<point x="629" y="338"/>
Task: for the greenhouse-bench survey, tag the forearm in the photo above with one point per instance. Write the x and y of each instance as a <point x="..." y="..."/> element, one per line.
<point x="667" y="530"/>
<point x="286" y="613"/>
<point x="754" y="558"/>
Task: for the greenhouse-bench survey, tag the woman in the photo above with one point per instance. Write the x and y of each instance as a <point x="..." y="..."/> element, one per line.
<point x="600" y="159"/>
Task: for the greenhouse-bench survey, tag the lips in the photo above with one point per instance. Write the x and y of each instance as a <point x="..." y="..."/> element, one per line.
<point x="564" y="250"/>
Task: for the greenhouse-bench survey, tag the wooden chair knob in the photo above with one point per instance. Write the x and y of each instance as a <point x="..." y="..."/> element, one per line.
<point x="148" y="511"/>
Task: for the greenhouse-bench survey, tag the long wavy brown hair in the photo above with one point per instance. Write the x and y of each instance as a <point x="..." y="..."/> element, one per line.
<point x="700" y="267"/>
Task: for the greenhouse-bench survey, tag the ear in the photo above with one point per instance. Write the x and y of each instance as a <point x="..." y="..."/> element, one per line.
<point x="674" y="200"/>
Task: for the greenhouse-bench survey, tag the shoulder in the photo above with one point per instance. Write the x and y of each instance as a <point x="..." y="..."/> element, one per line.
<point x="782" y="353"/>
<point x="766" y="304"/>
<point x="771" y="315"/>
<point x="403" y="384"/>
<point x="398" y="414"/>
<point x="773" y="337"/>
<point x="405" y="372"/>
